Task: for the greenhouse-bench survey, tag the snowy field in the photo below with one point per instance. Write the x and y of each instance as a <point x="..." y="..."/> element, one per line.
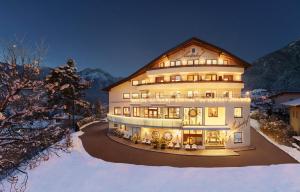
<point x="77" y="171"/>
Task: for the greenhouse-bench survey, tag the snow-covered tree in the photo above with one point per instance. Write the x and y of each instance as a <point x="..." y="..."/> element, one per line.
<point x="23" y="101"/>
<point x="65" y="89"/>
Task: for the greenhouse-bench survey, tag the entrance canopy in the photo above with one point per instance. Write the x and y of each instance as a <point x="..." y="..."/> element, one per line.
<point x="207" y="127"/>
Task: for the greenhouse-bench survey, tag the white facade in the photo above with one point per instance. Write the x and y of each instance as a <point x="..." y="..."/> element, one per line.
<point x="192" y="92"/>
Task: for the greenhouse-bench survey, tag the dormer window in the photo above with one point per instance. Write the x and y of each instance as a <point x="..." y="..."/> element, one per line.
<point x="193" y="50"/>
<point x="178" y="62"/>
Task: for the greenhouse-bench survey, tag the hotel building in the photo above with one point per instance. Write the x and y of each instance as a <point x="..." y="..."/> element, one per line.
<point x="191" y="93"/>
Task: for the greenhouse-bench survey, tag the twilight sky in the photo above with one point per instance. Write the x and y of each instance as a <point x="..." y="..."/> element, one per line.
<point x="121" y="36"/>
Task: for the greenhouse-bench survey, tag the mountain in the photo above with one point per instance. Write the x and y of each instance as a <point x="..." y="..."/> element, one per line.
<point x="99" y="79"/>
<point x="277" y="71"/>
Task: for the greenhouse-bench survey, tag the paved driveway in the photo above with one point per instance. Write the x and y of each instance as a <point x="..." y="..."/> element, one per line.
<point x="99" y="145"/>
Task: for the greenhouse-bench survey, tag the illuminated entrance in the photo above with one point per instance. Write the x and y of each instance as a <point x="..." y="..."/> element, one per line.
<point x="193" y="137"/>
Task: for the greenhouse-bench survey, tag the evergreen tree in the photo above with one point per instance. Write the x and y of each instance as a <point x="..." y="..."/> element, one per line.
<point x="65" y="89"/>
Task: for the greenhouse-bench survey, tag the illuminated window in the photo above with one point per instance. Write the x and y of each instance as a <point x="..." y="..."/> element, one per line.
<point x="228" y="78"/>
<point x="238" y="112"/>
<point x="238" y="137"/>
<point x="172" y="63"/>
<point x="196" y="62"/>
<point x="227" y="94"/>
<point x="136" y="111"/>
<point x="126" y="95"/>
<point x="134" y="83"/>
<point x="190" y="94"/>
<point x="208" y="61"/>
<point x="126" y="111"/>
<point x="173" y="112"/>
<point x="190" y="77"/>
<point x="211" y="77"/>
<point x="178" y="63"/>
<point x="117" y="110"/>
<point x="158" y="95"/>
<point x="225" y="62"/>
<point x="175" y="78"/>
<point x="144" y="95"/>
<point x="190" y="62"/>
<point x="214" y="61"/>
<point x="212" y="112"/>
<point x="210" y="94"/>
<point x="159" y="79"/>
<point x="162" y="64"/>
<point x="135" y="95"/>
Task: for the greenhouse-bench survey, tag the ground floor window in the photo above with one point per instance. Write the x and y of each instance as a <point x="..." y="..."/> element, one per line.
<point x="213" y="112"/>
<point x="238" y="137"/>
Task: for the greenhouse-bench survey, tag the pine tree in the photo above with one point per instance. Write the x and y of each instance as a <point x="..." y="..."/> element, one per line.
<point x="65" y="89"/>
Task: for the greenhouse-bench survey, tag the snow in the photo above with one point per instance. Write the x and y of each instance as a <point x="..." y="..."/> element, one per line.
<point x="77" y="171"/>
<point x="293" y="152"/>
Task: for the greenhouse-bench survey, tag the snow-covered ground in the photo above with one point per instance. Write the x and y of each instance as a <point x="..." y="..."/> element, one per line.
<point x="78" y="171"/>
<point x="293" y="152"/>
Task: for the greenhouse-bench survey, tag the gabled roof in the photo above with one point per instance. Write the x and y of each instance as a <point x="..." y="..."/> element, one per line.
<point x="285" y="93"/>
<point x="292" y="103"/>
<point x="191" y="41"/>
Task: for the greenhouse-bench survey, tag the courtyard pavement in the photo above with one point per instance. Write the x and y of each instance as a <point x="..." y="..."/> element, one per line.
<point x="96" y="142"/>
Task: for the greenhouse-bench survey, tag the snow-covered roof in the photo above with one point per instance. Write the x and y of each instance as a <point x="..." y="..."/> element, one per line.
<point x="292" y="103"/>
<point x="297" y="138"/>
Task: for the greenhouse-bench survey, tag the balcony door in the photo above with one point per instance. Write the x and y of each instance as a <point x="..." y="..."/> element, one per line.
<point x="153" y="112"/>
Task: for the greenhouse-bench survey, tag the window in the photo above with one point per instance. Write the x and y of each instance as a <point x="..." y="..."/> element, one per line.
<point x="228" y="77"/>
<point x="211" y="77"/>
<point x="208" y="61"/>
<point x="196" y="62"/>
<point x="192" y="116"/>
<point x="193" y="50"/>
<point x="157" y="95"/>
<point x="136" y="111"/>
<point x="212" y="112"/>
<point x="126" y="95"/>
<point x="238" y="137"/>
<point x="190" y="94"/>
<point x="126" y="111"/>
<point x="134" y="83"/>
<point x="238" y="112"/>
<point x="153" y="112"/>
<point x="144" y="95"/>
<point x="173" y="112"/>
<point x="161" y="65"/>
<point x="190" y="62"/>
<point x="159" y="79"/>
<point x="227" y="94"/>
<point x="225" y="62"/>
<point x="175" y="78"/>
<point x="214" y="61"/>
<point x="115" y="125"/>
<point x="117" y="110"/>
<point x="190" y="77"/>
<point x="178" y="63"/>
<point x="135" y="95"/>
<point x="210" y="94"/>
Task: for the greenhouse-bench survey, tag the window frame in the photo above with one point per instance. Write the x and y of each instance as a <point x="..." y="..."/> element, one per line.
<point x="125" y="114"/>
<point x="133" y="84"/>
<point x="132" y="95"/>
<point x="240" y="140"/>
<point x="136" y="112"/>
<point x="209" y="114"/>
<point x="241" y="116"/>
<point x="115" y="108"/>
<point x="126" y="94"/>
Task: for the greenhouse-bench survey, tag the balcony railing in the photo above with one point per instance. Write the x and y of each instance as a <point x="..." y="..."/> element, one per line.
<point x="190" y="98"/>
<point x="185" y="81"/>
<point x="197" y="65"/>
<point x="147" y="122"/>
